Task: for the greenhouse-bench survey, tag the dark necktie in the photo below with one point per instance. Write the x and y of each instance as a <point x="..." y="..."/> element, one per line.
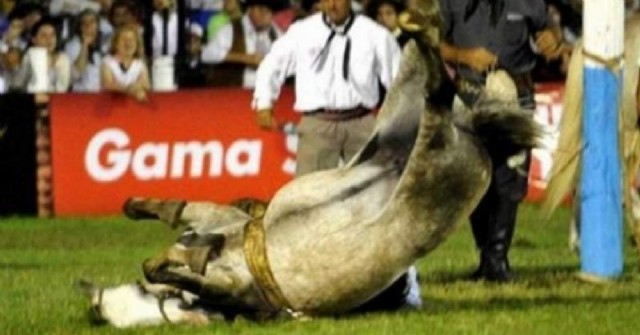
<point x="321" y="59"/>
<point x="165" y="32"/>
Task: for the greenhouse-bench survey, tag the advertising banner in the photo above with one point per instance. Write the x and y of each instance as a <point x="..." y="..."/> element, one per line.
<point x="197" y="145"/>
<point x="548" y="114"/>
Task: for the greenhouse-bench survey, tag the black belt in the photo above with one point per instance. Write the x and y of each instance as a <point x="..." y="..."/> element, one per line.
<point x="339" y="114"/>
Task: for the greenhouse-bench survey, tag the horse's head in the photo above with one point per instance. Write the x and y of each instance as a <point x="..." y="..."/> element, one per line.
<point x="122" y="306"/>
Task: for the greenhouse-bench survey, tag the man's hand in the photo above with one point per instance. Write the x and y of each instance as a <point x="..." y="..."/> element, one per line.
<point x="549" y="43"/>
<point x="478" y="59"/>
<point x="265" y="119"/>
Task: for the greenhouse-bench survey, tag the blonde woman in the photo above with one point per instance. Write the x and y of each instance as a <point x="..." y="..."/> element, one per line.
<point x="124" y="69"/>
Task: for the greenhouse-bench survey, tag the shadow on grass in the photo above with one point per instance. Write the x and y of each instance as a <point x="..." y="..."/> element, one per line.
<point x="21" y="266"/>
<point x="543" y="276"/>
<point x="497" y="304"/>
<point x="521" y="274"/>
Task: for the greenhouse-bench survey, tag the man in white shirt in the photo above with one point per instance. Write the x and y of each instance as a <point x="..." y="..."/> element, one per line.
<point x="338" y="58"/>
<point x="239" y="46"/>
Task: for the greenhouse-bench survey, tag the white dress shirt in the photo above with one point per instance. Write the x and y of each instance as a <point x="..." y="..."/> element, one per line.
<point x="217" y="49"/>
<point x="158" y="34"/>
<point x="374" y="55"/>
<point x="89" y="79"/>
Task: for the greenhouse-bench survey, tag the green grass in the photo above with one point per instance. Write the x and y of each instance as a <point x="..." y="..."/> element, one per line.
<point x="40" y="259"/>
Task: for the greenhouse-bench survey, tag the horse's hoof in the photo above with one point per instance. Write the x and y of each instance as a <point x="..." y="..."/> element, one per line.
<point x="138" y="209"/>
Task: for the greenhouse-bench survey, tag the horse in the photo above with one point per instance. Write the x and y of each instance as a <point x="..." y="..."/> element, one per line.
<point x="331" y="240"/>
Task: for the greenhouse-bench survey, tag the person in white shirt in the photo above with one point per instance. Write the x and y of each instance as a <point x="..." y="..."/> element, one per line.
<point x="44" y="35"/>
<point x="124" y="69"/>
<point x="84" y="50"/>
<point x="240" y="46"/>
<point x="338" y="58"/>
<point x="164" y="24"/>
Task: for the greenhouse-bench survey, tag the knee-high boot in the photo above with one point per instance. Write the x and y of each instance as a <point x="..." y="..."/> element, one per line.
<point x="494" y="254"/>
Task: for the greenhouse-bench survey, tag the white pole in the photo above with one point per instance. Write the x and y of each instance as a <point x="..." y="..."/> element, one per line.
<point x="601" y="182"/>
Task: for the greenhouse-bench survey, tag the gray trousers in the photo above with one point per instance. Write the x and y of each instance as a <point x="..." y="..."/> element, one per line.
<point x="322" y="144"/>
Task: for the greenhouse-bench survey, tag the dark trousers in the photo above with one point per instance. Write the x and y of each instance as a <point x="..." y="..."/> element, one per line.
<point x="493" y="221"/>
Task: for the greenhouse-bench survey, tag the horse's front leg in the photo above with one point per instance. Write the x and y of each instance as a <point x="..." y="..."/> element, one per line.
<point x="184" y="268"/>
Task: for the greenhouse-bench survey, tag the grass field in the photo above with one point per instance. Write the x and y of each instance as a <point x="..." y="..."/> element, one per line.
<point x="40" y="259"/>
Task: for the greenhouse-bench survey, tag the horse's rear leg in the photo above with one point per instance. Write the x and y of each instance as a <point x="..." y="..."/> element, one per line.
<point x="169" y="211"/>
<point x="178" y="213"/>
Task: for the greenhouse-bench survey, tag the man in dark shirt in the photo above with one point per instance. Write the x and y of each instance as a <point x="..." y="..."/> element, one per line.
<point x="479" y="36"/>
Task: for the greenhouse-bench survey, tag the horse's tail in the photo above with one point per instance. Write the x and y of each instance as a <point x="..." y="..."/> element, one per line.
<point x="564" y="173"/>
<point x="504" y="128"/>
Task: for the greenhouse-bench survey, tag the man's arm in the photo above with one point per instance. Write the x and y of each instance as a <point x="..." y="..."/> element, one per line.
<point x="277" y="65"/>
<point x="388" y="56"/>
<point x="478" y="59"/>
<point x="547" y="34"/>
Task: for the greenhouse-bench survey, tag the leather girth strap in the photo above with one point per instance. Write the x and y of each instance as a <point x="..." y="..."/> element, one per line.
<point x="255" y="254"/>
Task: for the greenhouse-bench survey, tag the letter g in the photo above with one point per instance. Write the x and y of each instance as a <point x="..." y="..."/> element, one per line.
<point x="117" y="160"/>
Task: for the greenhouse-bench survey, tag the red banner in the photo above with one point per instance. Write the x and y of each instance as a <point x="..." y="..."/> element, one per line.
<point x="548" y="113"/>
<point x="198" y="145"/>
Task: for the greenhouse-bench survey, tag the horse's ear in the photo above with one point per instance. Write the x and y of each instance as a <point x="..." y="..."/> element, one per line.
<point x="86" y="287"/>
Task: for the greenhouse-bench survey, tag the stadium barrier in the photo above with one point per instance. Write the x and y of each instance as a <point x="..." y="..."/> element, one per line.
<point x="197" y="145"/>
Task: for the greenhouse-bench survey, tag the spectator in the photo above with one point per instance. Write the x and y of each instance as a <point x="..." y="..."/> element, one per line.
<point x="478" y="36"/>
<point x="164" y="29"/>
<point x="192" y="73"/>
<point x="123" y="13"/>
<point x="386" y="12"/>
<point x="84" y="50"/>
<point x="338" y="58"/>
<point x="231" y="11"/>
<point x="6" y="7"/>
<point x="59" y="68"/>
<point x="124" y="69"/>
<point x="106" y="29"/>
<point x="67" y="10"/>
<point x="239" y="46"/>
<point x="32" y="13"/>
<point x="15" y="30"/>
<point x="10" y="68"/>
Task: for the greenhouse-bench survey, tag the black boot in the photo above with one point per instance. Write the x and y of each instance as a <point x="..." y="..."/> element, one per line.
<point x="494" y="254"/>
<point x="495" y="267"/>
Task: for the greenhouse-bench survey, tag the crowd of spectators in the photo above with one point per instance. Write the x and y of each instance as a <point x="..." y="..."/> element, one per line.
<point x="97" y="45"/>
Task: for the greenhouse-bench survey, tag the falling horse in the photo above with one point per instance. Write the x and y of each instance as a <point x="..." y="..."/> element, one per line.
<point x="331" y="240"/>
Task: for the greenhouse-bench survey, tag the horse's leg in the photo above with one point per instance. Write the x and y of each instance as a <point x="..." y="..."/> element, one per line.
<point x="184" y="268"/>
<point x="177" y="213"/>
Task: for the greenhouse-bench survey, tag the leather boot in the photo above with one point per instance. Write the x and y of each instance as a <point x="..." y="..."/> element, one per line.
<point x="494" y="254"/>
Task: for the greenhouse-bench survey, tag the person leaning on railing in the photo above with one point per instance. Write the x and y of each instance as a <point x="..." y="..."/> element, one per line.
<point x="124" y="69"/>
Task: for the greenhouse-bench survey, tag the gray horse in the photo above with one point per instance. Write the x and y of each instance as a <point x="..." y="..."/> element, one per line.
<point x="331" y="240"/>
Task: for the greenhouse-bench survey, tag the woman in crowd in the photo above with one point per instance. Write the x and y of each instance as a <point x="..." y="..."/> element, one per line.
<point x="124" y="69"/>
<point x="84" y="51"/>
<point x="59" y="68"/>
